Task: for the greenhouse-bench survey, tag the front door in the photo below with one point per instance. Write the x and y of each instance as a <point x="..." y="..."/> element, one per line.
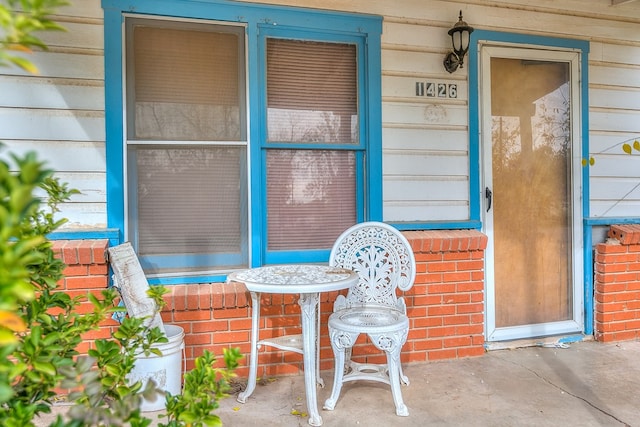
<point x="531" y="191"/>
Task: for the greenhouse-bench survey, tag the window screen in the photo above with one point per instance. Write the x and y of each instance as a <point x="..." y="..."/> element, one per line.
<point x="311" y="102"/>
<point x="186" y="82"/>
<point x="187" y="148"/>
<point x="311" y="92"/>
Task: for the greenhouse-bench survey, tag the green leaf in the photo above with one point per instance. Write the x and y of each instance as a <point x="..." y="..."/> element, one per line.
<point x="45" y="367"/>
<point x="188" y="417"/>
<point x="123" y="391"/>
<point x="112" y="369"/>
<point x="212" y="421"/>
<point x="7" y="337"/>
<point x="23" y="63"/>
<point x="6" y="392"/>
<point x="51" y="339"/>
<point x="93" y="299"/>
<point x="32" y="376"/>
<point x="108" y="382"/>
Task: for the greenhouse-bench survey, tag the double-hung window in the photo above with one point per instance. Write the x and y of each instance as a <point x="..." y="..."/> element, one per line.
<point x="186" y="145"/>
<point x="242" y="142"/>
<point x="313" y="147"/>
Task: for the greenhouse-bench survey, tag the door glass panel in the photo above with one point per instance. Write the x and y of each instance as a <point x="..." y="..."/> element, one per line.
<point x="531" y="154"/>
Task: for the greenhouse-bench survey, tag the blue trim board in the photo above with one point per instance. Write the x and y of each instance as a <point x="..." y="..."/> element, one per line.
<point x="568" y="339"/>
<point x="439" y="225"/>
<point x="186" y="280"/>
<point x="373" y="106"/>
<point x="474" y="132"/>
<point x="302" y="256"/>
<point x="588" y="280"/>
<point x="611" y="220"/>
<point x="226" y="10"/>
<point x="257" y="226"/>
<point x="111" y="234"/>
<point x="113" y="119"/>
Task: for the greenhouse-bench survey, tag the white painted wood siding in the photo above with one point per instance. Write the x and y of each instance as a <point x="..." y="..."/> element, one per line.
<point x="59" y="113"/>
<point x="425" y="140"/>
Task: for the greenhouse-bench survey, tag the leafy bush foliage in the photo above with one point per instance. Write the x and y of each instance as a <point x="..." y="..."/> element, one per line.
<point x="40" y="327"/>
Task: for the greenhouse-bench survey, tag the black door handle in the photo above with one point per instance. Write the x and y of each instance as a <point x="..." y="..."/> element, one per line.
<point x="488" y="195"/>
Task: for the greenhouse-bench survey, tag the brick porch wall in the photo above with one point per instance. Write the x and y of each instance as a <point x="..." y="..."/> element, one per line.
<point x="617" y="285"/>
<point x="86" y="271"/>
<point x="446" y="305"/>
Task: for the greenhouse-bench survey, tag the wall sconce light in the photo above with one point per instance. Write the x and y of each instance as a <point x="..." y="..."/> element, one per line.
<point x="460" y="34"/>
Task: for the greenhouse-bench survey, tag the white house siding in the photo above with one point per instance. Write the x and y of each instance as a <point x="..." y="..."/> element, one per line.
<point x="425" y="140"/>
<point x="614" y="84"/>
<point x="59" y="113"/>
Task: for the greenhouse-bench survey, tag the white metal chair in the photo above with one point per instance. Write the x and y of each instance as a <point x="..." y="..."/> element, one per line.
<point x="384" y="260"/>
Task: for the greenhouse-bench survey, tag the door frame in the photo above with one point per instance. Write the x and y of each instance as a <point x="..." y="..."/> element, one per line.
<point x="582" y="300"/>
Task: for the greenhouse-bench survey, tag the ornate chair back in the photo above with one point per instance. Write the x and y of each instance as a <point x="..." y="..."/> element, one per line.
<point x="384" y="261"/>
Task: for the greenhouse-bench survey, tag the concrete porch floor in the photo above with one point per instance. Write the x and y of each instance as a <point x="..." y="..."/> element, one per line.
<point x="586" y="384"/>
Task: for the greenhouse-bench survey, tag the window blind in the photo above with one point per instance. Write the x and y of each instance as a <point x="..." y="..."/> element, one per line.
<point x="311" y="99"/>
<point x="187" y="84"/>
<point x="311" y="91"/>
<point x="188" y="199"/>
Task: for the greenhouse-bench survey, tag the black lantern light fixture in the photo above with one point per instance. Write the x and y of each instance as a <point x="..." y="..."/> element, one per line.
<point x="460" y="34"/>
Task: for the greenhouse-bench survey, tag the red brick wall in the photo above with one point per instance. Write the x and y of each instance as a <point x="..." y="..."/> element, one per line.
<point x="617" y="285"/>
<point x="446" y="305"/>
<point x="86" y="271"/>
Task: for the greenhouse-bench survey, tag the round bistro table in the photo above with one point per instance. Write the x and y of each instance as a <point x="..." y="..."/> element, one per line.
<point x="308" y="280"/>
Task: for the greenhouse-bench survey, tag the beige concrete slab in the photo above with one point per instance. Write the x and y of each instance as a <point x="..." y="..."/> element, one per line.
<point x="586" y="384"/>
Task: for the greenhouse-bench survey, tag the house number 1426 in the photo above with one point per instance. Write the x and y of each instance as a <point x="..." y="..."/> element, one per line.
<point x="437" y="90"/>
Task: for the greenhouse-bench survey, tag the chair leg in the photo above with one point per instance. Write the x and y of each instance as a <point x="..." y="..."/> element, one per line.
<point x="347" y="357"/>
<point x="341" y="343"/>
<point x="403" y="377"/>
<point x="395" y="370"/>
<point x="391" y="344"/>
<point x="330" y="403"/>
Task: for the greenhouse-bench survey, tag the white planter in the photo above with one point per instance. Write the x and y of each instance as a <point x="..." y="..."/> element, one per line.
<point x="165" y="370"/>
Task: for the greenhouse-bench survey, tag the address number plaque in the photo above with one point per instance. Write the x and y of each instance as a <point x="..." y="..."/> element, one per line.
<point x="437" y="90"/>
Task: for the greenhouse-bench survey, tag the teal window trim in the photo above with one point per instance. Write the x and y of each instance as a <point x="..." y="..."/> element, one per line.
<point x="611" y="221"/>
<point x="438" y="225"/>
<point x="113" y="235"/>
<point x="255" y="16"/>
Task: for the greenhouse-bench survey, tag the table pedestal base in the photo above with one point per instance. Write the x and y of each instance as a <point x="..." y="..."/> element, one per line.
<point x="309" y="314"/>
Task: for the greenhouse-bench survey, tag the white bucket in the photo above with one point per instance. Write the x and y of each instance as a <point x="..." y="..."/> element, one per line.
<point x="165" y="370"/>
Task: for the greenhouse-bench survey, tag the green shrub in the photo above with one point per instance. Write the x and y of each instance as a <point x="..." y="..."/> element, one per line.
<point x="40" y="327"/>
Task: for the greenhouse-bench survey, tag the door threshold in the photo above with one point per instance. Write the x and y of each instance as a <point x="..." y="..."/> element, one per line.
<point x="557" y="341"/>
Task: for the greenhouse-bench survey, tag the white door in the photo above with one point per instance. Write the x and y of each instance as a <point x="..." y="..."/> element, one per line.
<point x="531" y="174"/>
